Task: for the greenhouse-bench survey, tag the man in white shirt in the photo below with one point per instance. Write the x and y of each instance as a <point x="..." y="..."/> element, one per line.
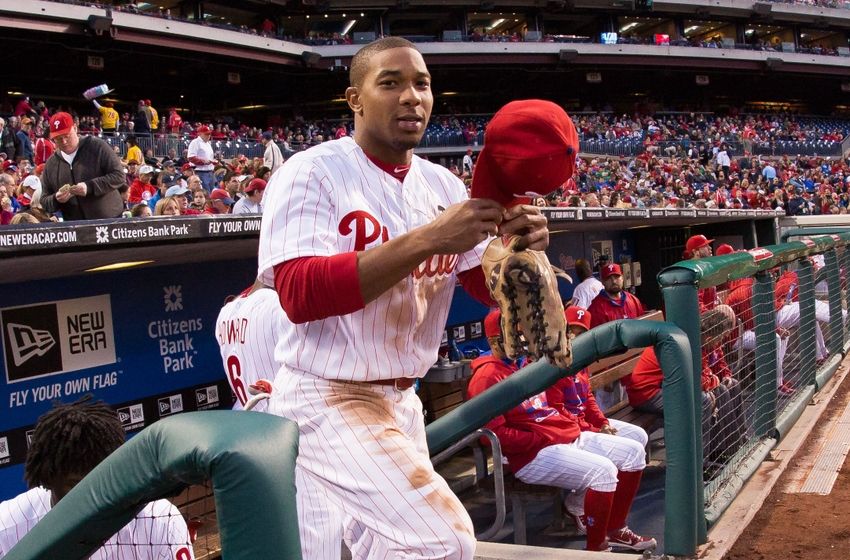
<point x="68" y="442"/>
<point x="588" y="288"/>
<point x="272" y="158"/>
<point x="252" y="202"/>
<point x="202" y="156"/>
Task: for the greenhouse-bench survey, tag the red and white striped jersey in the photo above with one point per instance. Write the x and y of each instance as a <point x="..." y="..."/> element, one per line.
<point x="158" y="532"/>
<point x="332" y="199"/>
<point x="247" y="330"/>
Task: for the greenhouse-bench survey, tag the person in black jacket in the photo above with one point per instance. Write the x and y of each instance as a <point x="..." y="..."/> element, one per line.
<point x="89" y="167"/>
<point x="7" y="141"/>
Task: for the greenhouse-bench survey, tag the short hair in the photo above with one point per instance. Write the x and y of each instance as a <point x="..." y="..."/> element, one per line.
<point x="360" y="61"/>
<point x="71" y="439"/>
<point x="137" y="210"/>
<point x="583" y="269"/>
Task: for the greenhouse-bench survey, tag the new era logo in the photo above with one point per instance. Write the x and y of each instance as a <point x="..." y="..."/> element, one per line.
<point x="27" y="342"/>
<point x="130" y="415"/>
<point x="4" y="447"/>
<point x="170" y="405"/>
<point x="207" y="396"/>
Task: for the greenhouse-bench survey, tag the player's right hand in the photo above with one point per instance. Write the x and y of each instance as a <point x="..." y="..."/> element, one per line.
<point x="464" y="225"/>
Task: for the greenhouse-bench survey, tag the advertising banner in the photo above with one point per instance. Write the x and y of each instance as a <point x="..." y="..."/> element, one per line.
<point x="143" y="341"/>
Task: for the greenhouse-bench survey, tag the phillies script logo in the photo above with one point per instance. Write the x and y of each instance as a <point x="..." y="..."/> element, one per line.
<point x="436" y="265"/>
<point x="365" y="227"/>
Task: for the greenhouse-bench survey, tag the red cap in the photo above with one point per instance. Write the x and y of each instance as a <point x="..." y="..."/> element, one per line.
<point x="222" y="195"/>
<point x="530" y="147"/>
<point x="255" y="184"/>
<point x="725" y="249"/>
<point x="187" y="166"/>
<point x="611" y="270"/>
<point x="148" y="102"/>
<point x="697" y="241"/>
<point x="493" y="324"/>
<point x="204" y="129"/>
<point x="61" y="123"/>
<point x="578" y="316"/>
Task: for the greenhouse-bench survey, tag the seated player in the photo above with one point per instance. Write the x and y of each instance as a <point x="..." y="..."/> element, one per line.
<point x="545" y="445"/>
<point x="722" y="416"/>
<point x="574" y="394"/>
<point x="69" y="441"/>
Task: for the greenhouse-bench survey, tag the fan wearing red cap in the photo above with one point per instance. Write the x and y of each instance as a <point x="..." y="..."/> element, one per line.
<point x="613" y="302"/>
<point x="202" y="156"/>
<point x="91" y="190"/>
<point x="724" y="249"/>
<point x="541" y="441"/>
<point x="699" y="247"/>
<point x="252" y="202"/>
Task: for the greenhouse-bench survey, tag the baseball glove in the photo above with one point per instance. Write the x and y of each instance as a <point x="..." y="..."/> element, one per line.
<point x="523" y="282"/>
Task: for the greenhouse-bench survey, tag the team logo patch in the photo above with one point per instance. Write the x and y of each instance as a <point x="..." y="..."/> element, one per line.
<point x="57" y="337"/>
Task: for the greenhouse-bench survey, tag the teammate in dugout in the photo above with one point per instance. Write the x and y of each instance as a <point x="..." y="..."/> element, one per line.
<point x="546" y="444"/>
<point x="68" y="442"/>
<point x="363" y="242"/>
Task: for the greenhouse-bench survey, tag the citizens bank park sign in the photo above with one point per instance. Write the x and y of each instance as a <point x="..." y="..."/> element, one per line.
<point x="102" y="234"/>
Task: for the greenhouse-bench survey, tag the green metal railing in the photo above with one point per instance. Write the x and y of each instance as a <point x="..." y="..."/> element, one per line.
<point x="769" y="419"/>
<point x="683" y="490"/>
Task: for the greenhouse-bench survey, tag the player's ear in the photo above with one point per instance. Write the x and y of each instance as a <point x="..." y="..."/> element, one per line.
<point x="352" y="96"/>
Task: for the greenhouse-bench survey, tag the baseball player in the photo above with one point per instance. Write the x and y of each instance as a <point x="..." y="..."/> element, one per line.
<point x="544" y="444"/>
<point x="574" y="394"/>
<point x="68" y="442"/>
<point x="613" y="302"/>
<point x="363" y="242"/>
<point x="588" y="287"/>
<point x="699" y="247"/>
<point x="247" y="331"/>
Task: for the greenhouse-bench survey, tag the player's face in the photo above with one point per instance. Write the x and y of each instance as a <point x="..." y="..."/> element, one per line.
<point x="613" y="284"/>
<point x="703" y="252"/>
<point x="393" y="104"/>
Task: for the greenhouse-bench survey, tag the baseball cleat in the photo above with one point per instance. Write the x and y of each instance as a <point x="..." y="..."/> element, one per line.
<point x="626" y="538"/>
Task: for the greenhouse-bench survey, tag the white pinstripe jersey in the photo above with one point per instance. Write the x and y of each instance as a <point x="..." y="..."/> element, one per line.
<point x="158" y="532"/>
<point x="332" y="199"/>
<point x="247" y="330"/>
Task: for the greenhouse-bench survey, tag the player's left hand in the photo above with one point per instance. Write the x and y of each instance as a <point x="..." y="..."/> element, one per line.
<point x="527" y="221"/>
<point x="79" y="189"/>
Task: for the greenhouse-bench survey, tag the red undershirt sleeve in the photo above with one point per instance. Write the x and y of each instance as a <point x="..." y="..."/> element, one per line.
<point x="474" y="284"/>
<point x="314" y="288"/>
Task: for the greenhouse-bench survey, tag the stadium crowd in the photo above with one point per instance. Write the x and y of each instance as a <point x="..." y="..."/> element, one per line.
<point x="683" y="160"/>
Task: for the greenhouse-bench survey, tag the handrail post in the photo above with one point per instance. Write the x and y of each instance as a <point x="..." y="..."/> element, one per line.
<point x="681" y="304"/>
<point x="833" y="281"/>
<point x="765" y="357"/>
<point x="806" y="278"/>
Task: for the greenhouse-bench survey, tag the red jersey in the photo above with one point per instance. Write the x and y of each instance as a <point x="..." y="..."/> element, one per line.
<point x="526" y="429"/>
<point x="787" y="290"/>
<point x="645" y="380"/>
<point x="140" y="192"/>
<point x="573" y="395"/>
<point x="603" y="309"/>
<point x="707" y="299"/>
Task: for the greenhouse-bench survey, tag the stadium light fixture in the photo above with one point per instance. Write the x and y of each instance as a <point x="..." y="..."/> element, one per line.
<point x="629" y="26"/>
<point x="117" y="266"/>
<point x="691" y="28"/>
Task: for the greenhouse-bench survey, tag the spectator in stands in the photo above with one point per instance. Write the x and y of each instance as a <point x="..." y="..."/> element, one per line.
<point x="142" y="189"/>
<point x="141" y="210"/>
<point x="614" y="302"/>
<point x="154" y="115"/>
<point x="182" y="195"/>
<point x="44" y="147"/>
<point x="97" y="171"/>
<point x="134" y="152"/>
<point x="142" y="119"/>
<point x="175" y="122"/>
<point x="8" y="141"/>
<point x="68" y="442"/>
<point x="202" y="156"/>
<point x="24" y="140"/>
<point x="168" y="206"/>
<point x="29" y="185"/>
<point x="23" y="218"/>
<point x="252" y="202"/>
<point x="272" y="156"/>
<point x="588" y="287"/>
<point x="220" y="202"/>
<point x="6" y="211"/>
<point x="199" y="200"/>
<point x="544" y="444"/>
<point x="108" y="116"/>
